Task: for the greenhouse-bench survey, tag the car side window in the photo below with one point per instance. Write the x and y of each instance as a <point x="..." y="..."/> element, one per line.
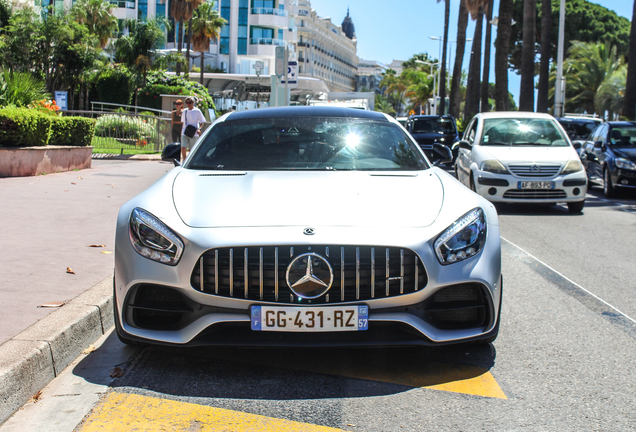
<point x="602" y="134"/>
<point x="471" y="131"/>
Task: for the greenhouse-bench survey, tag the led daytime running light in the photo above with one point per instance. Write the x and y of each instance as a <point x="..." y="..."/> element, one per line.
<point x="453" y="245"/>
<point x="152" y="239"/>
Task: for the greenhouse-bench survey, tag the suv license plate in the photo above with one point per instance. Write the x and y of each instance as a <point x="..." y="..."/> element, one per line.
<point x="535" y="185"/>
<point x="310" y="318"/>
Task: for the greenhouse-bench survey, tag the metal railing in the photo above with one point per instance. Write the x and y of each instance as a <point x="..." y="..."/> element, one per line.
<point x="270" y="11"/>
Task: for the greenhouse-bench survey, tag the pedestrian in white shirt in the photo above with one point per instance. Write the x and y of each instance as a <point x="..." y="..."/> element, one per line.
<point x="191" y="116"/>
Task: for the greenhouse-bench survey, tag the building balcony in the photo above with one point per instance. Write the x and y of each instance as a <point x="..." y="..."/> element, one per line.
<point x="269" y="17"/>
<point x="264" y="46"/>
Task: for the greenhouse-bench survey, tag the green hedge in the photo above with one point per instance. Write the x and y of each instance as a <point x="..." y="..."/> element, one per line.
<point x="24" y="127"/>
<point x="72" y="131"/>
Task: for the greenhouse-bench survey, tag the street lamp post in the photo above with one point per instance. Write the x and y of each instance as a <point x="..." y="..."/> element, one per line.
<point x="438" y="38"/>
<point x="434" y="82"/>
<point x="559" y="98"/>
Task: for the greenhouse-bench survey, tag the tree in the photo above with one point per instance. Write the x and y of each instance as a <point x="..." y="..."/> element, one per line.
<point x="502" y="46"/>
<point x="526" y="91"/>
<point x="629" y="103"/>
<point x="182" y="11"/>
<point x="544" y="67"/>
<point x="419" y="87"/>
<point x="442" y="76"/>
<point x="476" y="10"/>
<point x="137" y="49"/>
<point x="97" y="17"/>
<point x="610" y="95"/>
<point x="462" y="22"/>
<point x="485" y="84"/>
<point x="206" y="26"/>
<point x="383" y="105"/>
<point x="586" y="68"/>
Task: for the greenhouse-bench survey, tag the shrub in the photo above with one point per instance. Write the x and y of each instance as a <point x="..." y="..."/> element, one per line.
<point x="115" y="86"/>
<point x="72" y="131"/>
<point x="158" y="83"/>
<point x="21" y="88"/>
<point x="23" y="127"/>
<point x="125" y="127"/>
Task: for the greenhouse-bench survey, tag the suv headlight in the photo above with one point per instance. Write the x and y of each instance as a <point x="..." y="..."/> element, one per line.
<point x="625" y="164"/>
<point x="493" y="166"/>
<point x="463" y="239"/>
<point x="152" y="239"/>
<point x="572" y="166"/>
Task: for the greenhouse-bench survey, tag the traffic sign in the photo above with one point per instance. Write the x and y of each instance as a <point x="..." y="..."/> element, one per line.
<point x="292" y="74"/>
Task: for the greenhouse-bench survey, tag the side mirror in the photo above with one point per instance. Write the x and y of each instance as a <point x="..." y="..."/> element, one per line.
<point x="465" y="145"/>
<point x="576" y="144"/>
<point x="445" y="154"/>
<point x="176" y="162"/>
<point x="598" y="144"/>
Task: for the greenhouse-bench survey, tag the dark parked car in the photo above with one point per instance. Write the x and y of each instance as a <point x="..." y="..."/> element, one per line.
<point x="609" y="156"/>
<point x="433" y="133"/>
<point x="579" y="129"/>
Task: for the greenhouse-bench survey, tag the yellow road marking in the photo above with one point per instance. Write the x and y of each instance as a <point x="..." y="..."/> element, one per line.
<point x="123" y="412"/>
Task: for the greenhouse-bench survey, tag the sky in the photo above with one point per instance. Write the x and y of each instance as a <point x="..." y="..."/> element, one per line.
<point x="390" y="30"/>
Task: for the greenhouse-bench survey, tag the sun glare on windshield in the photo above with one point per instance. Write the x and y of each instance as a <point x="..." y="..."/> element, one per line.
<point x="352" y="140"/>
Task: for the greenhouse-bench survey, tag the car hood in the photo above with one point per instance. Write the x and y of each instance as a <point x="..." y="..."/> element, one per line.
<point x="536" y="154"/>
<point x="275" y="198"/>
<point x="625" y="152"/>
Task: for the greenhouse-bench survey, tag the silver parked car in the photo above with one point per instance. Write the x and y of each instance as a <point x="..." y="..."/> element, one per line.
<point x="307" y="226"/>
<point x="521" y="157"/>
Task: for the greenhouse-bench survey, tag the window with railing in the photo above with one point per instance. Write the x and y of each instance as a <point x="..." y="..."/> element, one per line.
<point x="269" y="11"/>
<point x="267" y="41"/>
<point x="123" y="4"/>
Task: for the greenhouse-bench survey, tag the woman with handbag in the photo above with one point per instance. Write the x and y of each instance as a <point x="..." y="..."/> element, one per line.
<point x="192" y="118"/>
<point x="176" y="125"/>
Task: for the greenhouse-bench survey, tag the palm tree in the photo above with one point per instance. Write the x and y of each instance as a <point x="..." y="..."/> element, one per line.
<point x="383" y="105"/>
<point x="546" y="49"/>
<point x="476" y="10"/>
<point x="485" y="85"/>
<point x="610" y="95"/>
<point x="97" y="17"/>
<point x="586" y="68"/>
<point x="206" y="26"/>
<point x="182" y="11"/>
<point x="462" y="22"/>
<point x="629" y="104"/>
<point x="442" y="74"/>
<point x="419" y="88"/>
<point x="526" y="92"/>
<point x="502" y="46"/>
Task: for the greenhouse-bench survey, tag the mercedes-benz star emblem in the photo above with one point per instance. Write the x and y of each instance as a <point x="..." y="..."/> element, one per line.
<point x="309" y="231"/>
<point x="309" y="276"/>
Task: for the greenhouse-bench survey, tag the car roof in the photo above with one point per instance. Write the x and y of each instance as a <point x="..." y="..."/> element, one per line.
<point x="514" y="114"/>
<point x="431" y="116"/>
<point x="579" y="120"/>
<point x="306" y="111"/>
<point x="621" y="123"/>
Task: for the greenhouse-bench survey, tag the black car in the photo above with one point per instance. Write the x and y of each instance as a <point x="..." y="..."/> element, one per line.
<point x="433" y="132"/>
<point x="609" y="156"/>
<point x="579" y="128"/>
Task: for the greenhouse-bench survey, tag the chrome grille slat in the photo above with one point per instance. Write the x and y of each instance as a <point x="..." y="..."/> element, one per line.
<point x="535" y="194"/>
<point x="540" y="170"/>
<point x="257" y="273"/>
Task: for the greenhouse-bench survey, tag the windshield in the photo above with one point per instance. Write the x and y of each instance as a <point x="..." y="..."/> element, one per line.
<point x="306" y="143"/>
<point x="624" y="136"/>
<point x="438" y="125"/>
<point x="580" y="130"/>
<point x="522" y="132"/>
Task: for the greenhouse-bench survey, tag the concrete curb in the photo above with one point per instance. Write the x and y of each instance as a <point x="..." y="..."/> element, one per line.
<point x="33" y="358"/>
<point x="136" y="157"/>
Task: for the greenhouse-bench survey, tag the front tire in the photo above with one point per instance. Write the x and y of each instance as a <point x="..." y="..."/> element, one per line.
<point x="576" y="207"/>
<point x="608" y="188"/>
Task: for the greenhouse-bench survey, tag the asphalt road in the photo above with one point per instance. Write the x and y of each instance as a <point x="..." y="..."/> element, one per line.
<point x="564" y="359"/>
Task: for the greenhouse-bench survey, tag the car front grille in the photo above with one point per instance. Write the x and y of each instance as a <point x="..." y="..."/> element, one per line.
<point x="259" y="273"/>
<point x="534" y="170"/>
<point x="535" y="194"/>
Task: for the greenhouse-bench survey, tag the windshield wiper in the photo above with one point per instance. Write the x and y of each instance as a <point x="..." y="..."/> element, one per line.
<point x="496" y="143"/>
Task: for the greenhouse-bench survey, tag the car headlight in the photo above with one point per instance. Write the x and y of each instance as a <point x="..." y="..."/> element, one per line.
<point x="493" y="166"/>
<point x="463" y="239"/>
<point x="572" y="166"/>
<point x="152" y="239"/>
<point x="625" y="164"/>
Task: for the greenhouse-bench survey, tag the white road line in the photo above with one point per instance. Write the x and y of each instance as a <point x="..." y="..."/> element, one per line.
<point x="569" y="280"/>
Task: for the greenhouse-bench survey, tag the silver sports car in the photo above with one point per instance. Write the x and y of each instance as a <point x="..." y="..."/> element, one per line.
<point x="307" y="226"/>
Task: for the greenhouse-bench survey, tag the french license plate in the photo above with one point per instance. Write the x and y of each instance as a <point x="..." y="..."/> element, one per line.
<point x="310" y="318"/>
<point x="535" y="185"/>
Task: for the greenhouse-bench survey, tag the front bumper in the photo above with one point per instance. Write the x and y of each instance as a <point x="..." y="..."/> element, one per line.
<point x="159" y="304"/>
<point x="505" y="188"/>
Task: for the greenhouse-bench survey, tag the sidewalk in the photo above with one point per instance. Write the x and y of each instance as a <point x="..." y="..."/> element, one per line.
<point x="50" y="221"/>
